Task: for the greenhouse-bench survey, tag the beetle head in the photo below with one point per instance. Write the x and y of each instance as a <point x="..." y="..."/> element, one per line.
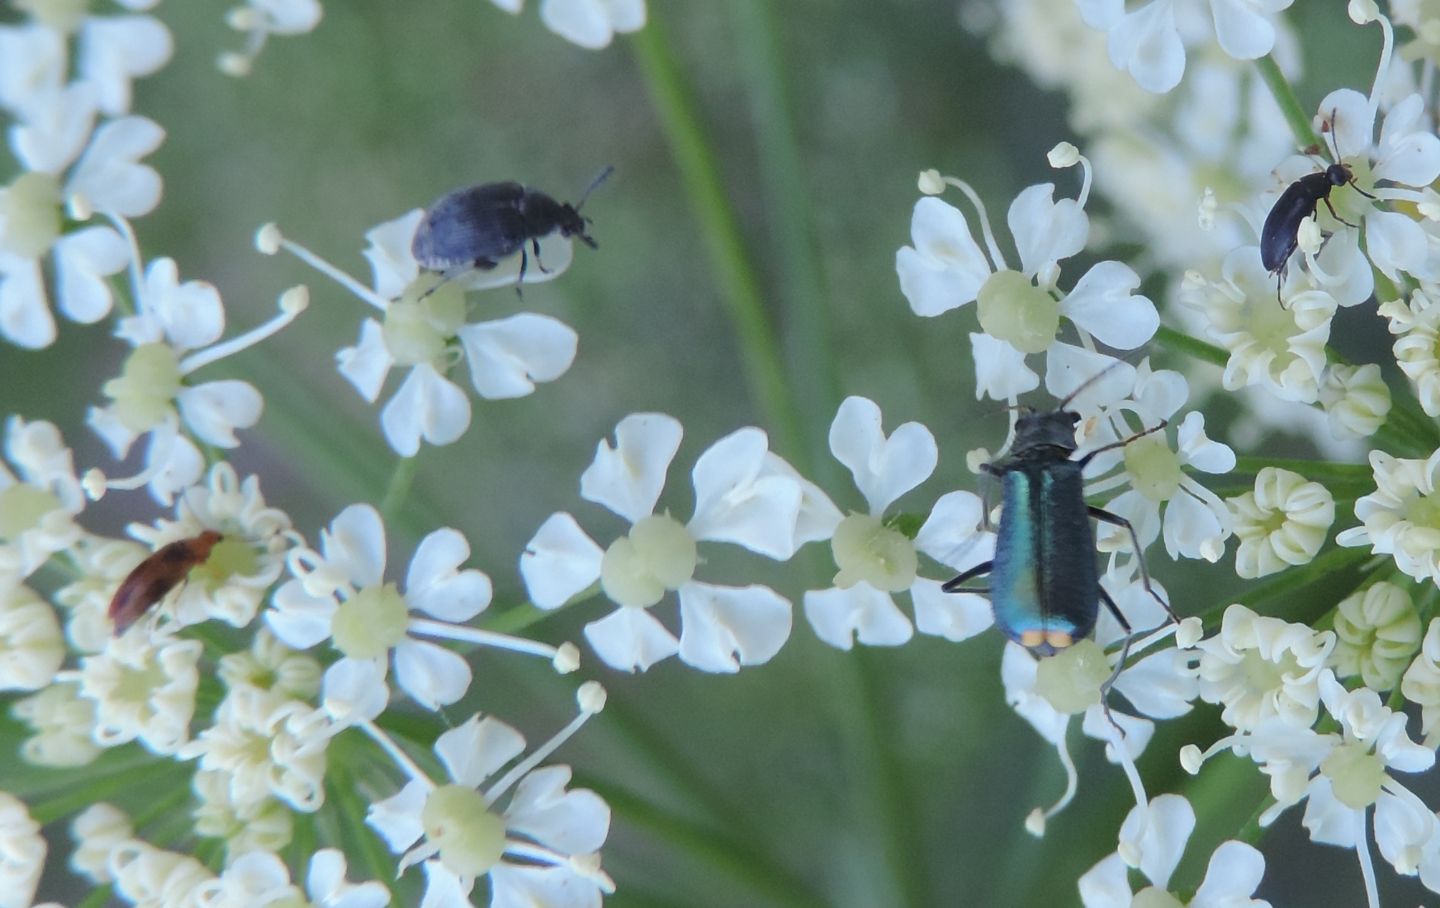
<point x="1339" y="174"/>
<point x="1052" y="429"/>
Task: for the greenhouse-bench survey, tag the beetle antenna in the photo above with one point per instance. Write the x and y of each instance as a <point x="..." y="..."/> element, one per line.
<point x="1088" y="382"/>
<point x="600" y="178"/>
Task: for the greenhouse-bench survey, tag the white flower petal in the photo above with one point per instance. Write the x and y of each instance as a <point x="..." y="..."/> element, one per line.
<point x="628" y="477"/>
<point x="570" y="822"/>
<point x="630" y="639"/>
<point x="1188" y="524"/>
<point x="722" y="628"/>
<point x="355" y="544"/>
<point x="24" y="309"/>
<point x="354" y="690"/>
<point x="1241" y="31"/>
<point x="109" y="174"/>
<point x="737" y="499"/>
<point x="190" y="314"/>
<point x="840" y="617"/>
<point x="1395" y="242"/>
<point x="1158" y="833"/>
<point x="1408" y="152"/>
<point x="1161" y="685"/>
<point x="1147" y="44"/>
<point x="1106" y="885"/>
<point x="1105" y="379"/>
<point x="1231" y="877"/>
<point x="116" y="49"/>
<point x="509" y="356"/>
<point x="475" y="751"/>
<point x="431" y="674"/>
<point x="559" y="561"/>
<point x="366" y="364"/>
<point x="434" y="586"/>
<point x="954" y="616"/>
<point x="582" y="22"/>
<point x="945" y="268"/>
<point x="529" y="886"/>
<point x="83" y="260"/>
<point x="951" y="533"/>
<point x="1197" y="450"/>
<point x="298" y="619"/>
<point x="214" y="410"/>
<point x="397" y="818"/>
<point x="884" y="468"/>
<point x="1104" y="304"/>
<point x="388" y="250"/>
<point x="1045" y="230"/>
<point x="428" y="405"/>
<point x="1000" y="370"/>
<point x="55" y="129"/>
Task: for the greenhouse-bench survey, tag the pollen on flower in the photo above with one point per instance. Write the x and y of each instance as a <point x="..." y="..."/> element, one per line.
<point x="1379" y="631"/>
<point x="1284" y="521"/>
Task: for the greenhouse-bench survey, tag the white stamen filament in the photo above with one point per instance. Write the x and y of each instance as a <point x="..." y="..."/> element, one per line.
<point x="1072" y="783"/>
<point x="1387" y="49"/>
<point x="335" y="274"/>
<point x="588" y="708"/>
<point x="291" y="304"/>
<point x="587" y="869"/>
<point x="136" y="278"/>
<point x="401" y="758"/>
<point x="997" y="260"/>
<point x="449" y="631"/>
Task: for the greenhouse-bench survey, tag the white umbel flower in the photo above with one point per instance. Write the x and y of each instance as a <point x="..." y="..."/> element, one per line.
<point x="1278" y="347"/>
<point x="540" y="848"/>
<point x="1259" y="667"/>
<point x="1400" y="517"/>
<point x="22" y="853"/>
<point x="31" y="646"/>
<point x="1378" y="631"/>
<point x="39" y="500"/>
<point x="744" y="494"/>
<point x="143" y="691"/>
<point x="1357" y="400"/>
<point x="1152" y="840"/>
<point x="1421" y="684"/>
<point x="875" y="560"/>
<point x="1283" y="522"/>
<point x="1416" y="327"/>
<point x="63" y="724"/>
<point x="342" y="596"/>
<point x="425" y="329"/>
<point x="261" y="878"/>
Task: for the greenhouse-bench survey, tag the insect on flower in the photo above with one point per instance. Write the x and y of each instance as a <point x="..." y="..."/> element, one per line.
<point x="1280" y="234"/>
<point x="154" y="578"/>
<point x="1045" y="589"/>
<point x="475" y="228"/>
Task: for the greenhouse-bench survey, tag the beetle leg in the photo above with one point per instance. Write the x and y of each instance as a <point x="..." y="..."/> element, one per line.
<point x="520" y="278"/>
<point x="1117" y="520"/>
<point x="1121" y="443"/>
<point x="1326" y="200"/>
<point x="953" y="584"/>
<point x="535" y="245"/>
<point x="1120" y="663"/>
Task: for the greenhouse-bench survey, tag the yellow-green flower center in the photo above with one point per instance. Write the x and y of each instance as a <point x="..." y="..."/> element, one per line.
<point x="30" y="215"/>
<point x="1014" y="310"/>
<point x="471" y="838"/>
<point x="1071" y="679"/>
<point x="1151" y="897"/>
<point x="147" y="384"/>
<point x="658" y="555"/>
<point x="1355" y="774"/>
<point x="21" y="507"/>
<point x="1154" y="469"/>
<point x="231" y="557"/>
<point x="372" y="621"/>
<point x="865" y="549"/>
<point x="418" y="331"/>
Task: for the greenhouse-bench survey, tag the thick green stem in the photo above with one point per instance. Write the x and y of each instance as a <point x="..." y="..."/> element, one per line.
<point x="1191" y="346"/>
<point x="720" y="228"/>
<point x="1295" y="115"/>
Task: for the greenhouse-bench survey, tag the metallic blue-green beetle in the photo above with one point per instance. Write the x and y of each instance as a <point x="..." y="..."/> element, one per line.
<point x="1044" y="587"/>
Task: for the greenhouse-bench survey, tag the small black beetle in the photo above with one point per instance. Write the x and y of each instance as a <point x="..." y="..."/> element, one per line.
<point x="476" y="227"/>
<point x="1280" y="235"/>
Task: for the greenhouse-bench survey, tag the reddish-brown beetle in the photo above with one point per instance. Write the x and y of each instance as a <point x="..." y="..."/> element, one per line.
<point x="156" y="576"/>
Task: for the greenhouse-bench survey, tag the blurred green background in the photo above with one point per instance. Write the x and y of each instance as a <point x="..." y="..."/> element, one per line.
<point x="869" y="778"/>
